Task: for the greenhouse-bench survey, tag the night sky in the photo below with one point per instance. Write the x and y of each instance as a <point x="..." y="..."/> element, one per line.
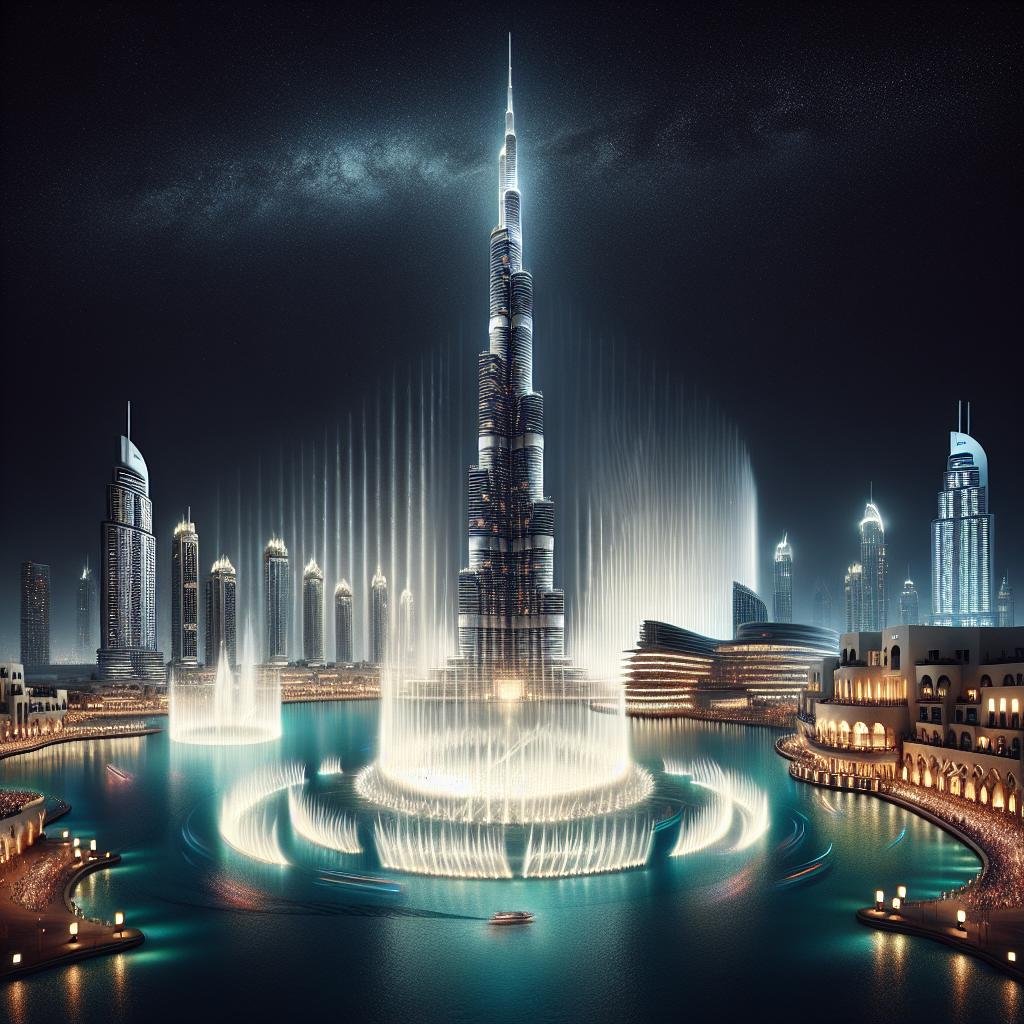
<point x="245" y="218"/>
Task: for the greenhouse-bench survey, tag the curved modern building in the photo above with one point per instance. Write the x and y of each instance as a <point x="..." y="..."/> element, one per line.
<point x="277" y="593"/>
<point x="313" y="613"/>
<point x="128" y="582"/>
<point x="510" y="613"/>
<point x="782" y="598"/>
<point x="746" y="607"/>
<point x="343" y="623"/>
<point x="665" y="668"/>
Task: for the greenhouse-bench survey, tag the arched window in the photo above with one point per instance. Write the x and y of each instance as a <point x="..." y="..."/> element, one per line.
<point x="950" y="738"/>
<point x="1008" y="681"/>
<point x="853" y="654"/>
<point x="894" y="656"/>
<point x="986" y="681"/>
<point x="943" y="685"/>
<point x="845" y="656"/>
<point x="965" y="741"/>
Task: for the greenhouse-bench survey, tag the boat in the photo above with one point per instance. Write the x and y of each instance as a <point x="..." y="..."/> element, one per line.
<point x="511" y="917"/>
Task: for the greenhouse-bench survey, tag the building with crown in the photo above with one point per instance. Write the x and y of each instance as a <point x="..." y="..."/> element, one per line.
<point x="874" y="602"/>
<point x="343" y="652"/>
<point x="185" y="593"/>
<point x="1004" y="603"/>
<point x="222" y="613"/>
<point x="782" y="594"/>
<point x="128" y="640"/>
<point x="313" y="613"/>
<point x="379" y="621"/>
<point x="910" y="605"/>
<point x="277" y="595"/>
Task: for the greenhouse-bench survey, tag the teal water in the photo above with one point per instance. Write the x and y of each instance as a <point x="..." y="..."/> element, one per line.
<point x="710" y="937"/>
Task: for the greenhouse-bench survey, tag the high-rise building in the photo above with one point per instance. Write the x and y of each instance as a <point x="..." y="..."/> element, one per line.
<point x="962" y="538"/>
<point x="185" y="593"/>
<point x="746" y="607"/>
<point x="509" y="610"/>
<point x="406" y="624"/>
<point x="875" y="609"/>
<point x="853" y="597"/>
<point x="910" y="606"/>
<point x="35" y="615"/>
<point x="821" y="613"/>
<point x="782" y="596"/>
<point x="128" y="581"/>
<point x="1004" y="603"/>
<point x="86" y="615"/>
<point x="277" y="595"/>
<point x="378" y="617"/>
<point x="313" y="613"/>
<point x="343" y="623"/>
<point x="222" y="612"/>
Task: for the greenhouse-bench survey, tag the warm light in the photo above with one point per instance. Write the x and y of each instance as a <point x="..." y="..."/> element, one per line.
<point x="92" y="845"/>
<point x="510" y="689"/>
<point x="961" y="920"/>
<point x="77" y="842"/>
<point x="118" y="917"/>
<point x="65" y="834"/>
<point x="78" y="854"/>
<point x="16" y="958"/>
<point x="879" y="896"/>
<point x="73" y="929"/>
<point x="901" y="891"/>
<point x="896" y="903"/>
<point x="1012" y="957"/>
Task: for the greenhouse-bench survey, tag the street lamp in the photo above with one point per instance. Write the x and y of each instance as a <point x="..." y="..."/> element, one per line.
<point x="1011" y="957"/>
<point x="961" y="920"/>
<point x="119" y="921"/>
<point x="896" y="903"/>
<point x="16" y="959"/>
<point x="879" y="899"/>
<point x="901" y="891"/>
<point x="73" y="929"/>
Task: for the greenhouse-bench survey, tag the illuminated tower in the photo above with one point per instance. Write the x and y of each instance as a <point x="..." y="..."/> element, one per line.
<point x="509" y="610"/>
<point x="378" y="617"/>
<point x="277" y="595"/>
<point x="35" y="615"/>
<point x="875" y="608"/>
<point x="853" y="597"/>
<point x="185" y="593"/>
<point x="1004" y="603"/>
<point x="313" y="613"/>
<point x="128" y="580"/>
<point x="343" y="623"/>
<point x="910" y="606"/>
<point x="86" y="617"/>
<point x="746" y="607"/>
<point x="782" y="598"/>
<point x="222" y="613"/>
<point x="962" y="537"/>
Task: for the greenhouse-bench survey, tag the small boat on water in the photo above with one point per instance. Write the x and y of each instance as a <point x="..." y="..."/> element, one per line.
<point x="511" y="917"/>
<point x="122" y="776"/>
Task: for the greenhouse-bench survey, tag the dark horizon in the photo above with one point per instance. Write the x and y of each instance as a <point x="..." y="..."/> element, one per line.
<point x="247" y="225"/>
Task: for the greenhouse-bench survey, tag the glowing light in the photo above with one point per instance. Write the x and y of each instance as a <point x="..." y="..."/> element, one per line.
<point x="587" y="847"/>
<point x="333" y="830"/>
<point x="246" y="822"/>
<point x="901" y="891"/>
<point x="16" y="959"/>
<point x="453" y="849"/>
<point x="330" y="766"/>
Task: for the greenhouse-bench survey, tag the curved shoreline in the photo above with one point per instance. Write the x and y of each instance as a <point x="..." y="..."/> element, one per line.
<point x="50" y="741"/>
<point x="889" y="921"/>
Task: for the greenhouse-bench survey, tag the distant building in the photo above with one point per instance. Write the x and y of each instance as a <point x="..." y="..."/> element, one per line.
<point x="782" y="597"/>
<point x="185" y="593"/>
<point x="313" y="613"/>
<point x="962" y="538"/>
<point x="128" y="581"/>
<point x="874" y="607"/>
<point x="35" y="614"/>
<point x="343" y="624"/>
<point x="910" y="606"/>
<point x="406" y="624"/>
<point x="1004" y="603"/>
<point x="821" y="614"/>
<point x="853" y="597"/>
<point x="378" y="617"/>
<point x="86" y="616"/>
<point x="668" y="664"/>
<point x="746" y="607"/>
<point x="28" y="710"/>
<point x="277" y="592"/>
<point x="222" y="612"/>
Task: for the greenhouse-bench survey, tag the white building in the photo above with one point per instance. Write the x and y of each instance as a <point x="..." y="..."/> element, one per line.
<point x="28" y="710"/>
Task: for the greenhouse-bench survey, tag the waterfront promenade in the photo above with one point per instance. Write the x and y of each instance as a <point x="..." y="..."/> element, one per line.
<point x="73" y="734"/>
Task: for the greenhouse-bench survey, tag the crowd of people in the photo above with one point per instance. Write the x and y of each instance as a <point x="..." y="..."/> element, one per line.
<point x="13" y="800"/>
<point x="43" y="882"/>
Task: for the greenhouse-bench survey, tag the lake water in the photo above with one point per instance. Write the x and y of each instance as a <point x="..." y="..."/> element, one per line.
<point x="708" y="937"/>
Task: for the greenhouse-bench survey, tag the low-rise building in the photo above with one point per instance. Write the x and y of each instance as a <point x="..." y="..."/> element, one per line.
<point x="28" y="710"/>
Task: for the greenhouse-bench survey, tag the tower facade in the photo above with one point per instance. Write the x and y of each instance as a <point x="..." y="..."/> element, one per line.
<point x="782" y="597"/>
<point x="962" y="539"/>
<point x="313" y="613"/>
<point x="875" y="607"/>
<point x="222" y="612"/>
<point x="35" y="615"/>
<point x="378" y="617"/>
<point x="185" y="593"/>
<point x="821" y="614"/>
<point x="853" y="597"/>
<point x="86" y="616"/>
<point x="746" y="607"/>
<point x="910" y="605"/>
<point x="509" y="610"/>
<point x="128" y="580"/>
<point x="343" y="623"/>
<point x="1004" y="603"/>
<point x="277" y="595"/>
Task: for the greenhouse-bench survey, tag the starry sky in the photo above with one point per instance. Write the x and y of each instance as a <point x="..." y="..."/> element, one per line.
<point x="243" y="217"/>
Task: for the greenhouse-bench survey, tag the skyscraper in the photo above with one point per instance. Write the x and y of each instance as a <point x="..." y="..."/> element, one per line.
<point x="35" y="615"/>
<point x="378" y="617"/>
<point x="821" y="614"/>
<point x="86" y="615"/>
<point x="185" y="593"/>
<point x="746" y="607"/>
<point x="343" y="623"/>
<point x="962" y="538"/>
<point x="910" y="606"/>
<point x="875" y="609"/>
<point x="277" y="592"/>
<point x="222" y="612"/>
<point x="406" y="624"/>
<point x="782" y="597"/>
<point x="128" y="581"/>
<point x="853" y="597"/>
<point x="313" y="613"/>
<point x="1004" y="603"/>
<point x="509" y="611"/>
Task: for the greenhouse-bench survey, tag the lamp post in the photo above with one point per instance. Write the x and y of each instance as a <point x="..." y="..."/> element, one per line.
<point x="879" y="900"/>
<point x="896" y="904"/>
<point x="119" y="921"/>
<point x="901" y="891"/>
<point x="73" y="929"/>
<point x="961" y="921"/>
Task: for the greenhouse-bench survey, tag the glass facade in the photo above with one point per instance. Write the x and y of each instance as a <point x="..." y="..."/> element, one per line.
<point x="874" y="605"/>
<point x="86" y="616"/>
<point x="746" y="607"/>
<point x="343" y="623"/>
<point x="313" y="613"/>
<point x="782" y="596"/>
<point x="277" y="593"/>
<point x="222" y="613"/>
<point x="379" y="622"/>
<point x="185" y="594"/>
<point x="35" y="615"/>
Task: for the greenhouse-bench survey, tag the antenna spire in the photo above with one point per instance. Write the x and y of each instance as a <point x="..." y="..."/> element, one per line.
<point x="968" y="416"/>
<point x="510" y="72"/>
<point x="959" y="415"/>
<point x="129" y="425"/>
